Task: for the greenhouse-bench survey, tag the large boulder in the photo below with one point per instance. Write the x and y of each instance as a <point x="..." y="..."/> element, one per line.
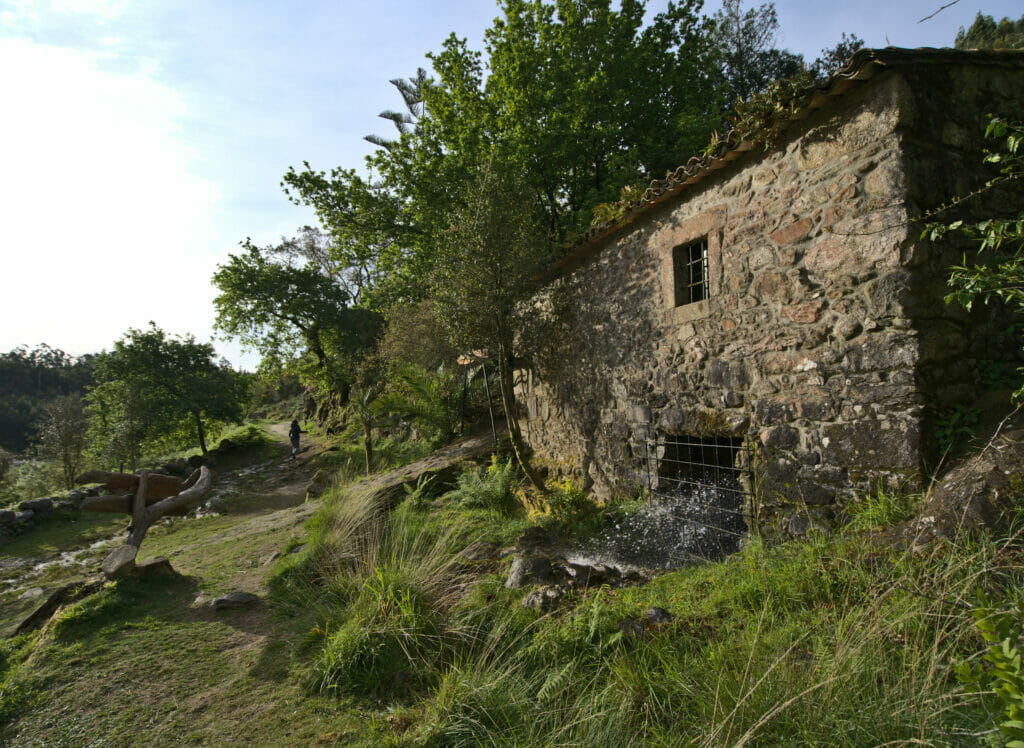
<point x="981" y="492"/>
<point x="39" y="506"/>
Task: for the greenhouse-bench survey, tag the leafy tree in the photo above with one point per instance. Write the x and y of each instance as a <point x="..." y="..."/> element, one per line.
<point x="833" y="58"/>
<point x="167" y="385"/>
<point x="747" y="57"/>
<point x="120" y="422"/>
<point x="414" y="336"/>
<point x="284" y="310"/>
<point x="491" y="260"/>
<point x="429" y="399"/>
<point x="62" y="434"/>
<point x="1000" y="240"/>
<point x="364" y="412"/>
<point x="748" y="60"/>
<point x="579" y="97"/>
<point x="986" y="33"/>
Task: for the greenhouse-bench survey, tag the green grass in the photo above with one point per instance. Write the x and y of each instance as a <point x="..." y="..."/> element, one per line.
<point x="826" y="642"/>
<point x="375" y="630"/>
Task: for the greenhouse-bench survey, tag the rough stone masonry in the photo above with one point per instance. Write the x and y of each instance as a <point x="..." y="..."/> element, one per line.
<point x="781" y="297"/>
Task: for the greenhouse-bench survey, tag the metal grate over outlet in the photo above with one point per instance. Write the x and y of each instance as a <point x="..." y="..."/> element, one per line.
<point x="702" y="478"/>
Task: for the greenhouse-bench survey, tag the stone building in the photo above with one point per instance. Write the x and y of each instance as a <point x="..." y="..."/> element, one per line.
<point x="770" y="317"/>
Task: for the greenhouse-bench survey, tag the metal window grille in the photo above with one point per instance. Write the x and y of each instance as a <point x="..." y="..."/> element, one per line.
<point x="704" y="477"/>
<point x="690" y="272"/>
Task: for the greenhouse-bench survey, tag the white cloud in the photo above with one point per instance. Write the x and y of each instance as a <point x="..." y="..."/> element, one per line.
<point x="102" y="8"/>
<point x="103" y="225"/>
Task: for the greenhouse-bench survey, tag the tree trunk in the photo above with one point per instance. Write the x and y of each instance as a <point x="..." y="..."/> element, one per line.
<point x="368" y="445"/>
<point x="200" y="432"/>
<point x="508" y="402"/>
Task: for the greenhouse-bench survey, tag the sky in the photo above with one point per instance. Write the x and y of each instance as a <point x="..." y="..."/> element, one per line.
<point x="141" y="141"/>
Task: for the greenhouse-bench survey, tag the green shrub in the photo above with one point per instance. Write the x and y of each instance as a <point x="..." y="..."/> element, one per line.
<point x="999" y="677"/>
<point x="571" y="508"/>
<point x="490" y="488"/>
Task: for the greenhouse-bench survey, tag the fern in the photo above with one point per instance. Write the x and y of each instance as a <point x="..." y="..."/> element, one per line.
<point x="555" y="682"/>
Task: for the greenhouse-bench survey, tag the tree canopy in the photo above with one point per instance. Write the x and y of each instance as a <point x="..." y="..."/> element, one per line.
<point x="285" y="310"/>
<point x="28" y="379"/>
<point x="986" y="33"/>
<point x="581" y="97"/>
<point x="153" y="385"/>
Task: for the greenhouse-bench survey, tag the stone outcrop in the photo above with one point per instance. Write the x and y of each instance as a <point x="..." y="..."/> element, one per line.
<point x="822" y="345"/>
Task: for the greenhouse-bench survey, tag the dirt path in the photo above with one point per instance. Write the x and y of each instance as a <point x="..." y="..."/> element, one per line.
<point x="258" y="501"/>
<point x="154" y="655"/>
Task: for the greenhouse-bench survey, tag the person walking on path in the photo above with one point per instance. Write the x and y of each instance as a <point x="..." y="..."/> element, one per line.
<point x="293" y="435"/>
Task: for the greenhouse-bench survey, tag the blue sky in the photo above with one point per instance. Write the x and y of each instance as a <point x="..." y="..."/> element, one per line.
<point x="141" y="141"/>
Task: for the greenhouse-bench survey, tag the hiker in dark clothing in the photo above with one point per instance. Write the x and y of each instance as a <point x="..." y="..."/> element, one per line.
<point x="293" y="434"/>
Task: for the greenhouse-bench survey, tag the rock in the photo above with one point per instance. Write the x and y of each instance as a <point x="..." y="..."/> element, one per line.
<point x="226" y="445"/>
<point x="202" y="601"/>
<point x="980" y="492"/>
<point x="528" y="569"/>
<point x="655" y="616"/>
<point x="543" y="599"/>
<point x="632" y="629"/>
<point x="29" y="594"/>
<point x="271" y="558"/>
<point x="120" y="563"/>
<point x="176" y="466"/>
<point x="69" y="593"/>
<point x="7" y="517"/>
<point x="66" y="505"/>
<point x="780" y="437"/>
<point x="26" y="517"/>
<point x="313" y="490"/>
<point x="196" y="461"/>
<point x="39" y="506"/>
<point x="234" y="600"/>
<point x="586" y="575"/>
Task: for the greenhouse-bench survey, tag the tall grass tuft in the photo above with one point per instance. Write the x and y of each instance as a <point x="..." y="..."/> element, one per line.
<point x="378" y="590"/>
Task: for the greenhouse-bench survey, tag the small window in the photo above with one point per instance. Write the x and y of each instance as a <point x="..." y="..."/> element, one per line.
<point x="690" y="271"/>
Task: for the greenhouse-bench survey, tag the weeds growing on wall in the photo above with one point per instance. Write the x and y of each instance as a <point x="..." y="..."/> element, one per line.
<point x="883" y="508"/>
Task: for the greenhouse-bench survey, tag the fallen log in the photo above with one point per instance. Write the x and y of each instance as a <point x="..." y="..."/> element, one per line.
<point x="157" y="487"/>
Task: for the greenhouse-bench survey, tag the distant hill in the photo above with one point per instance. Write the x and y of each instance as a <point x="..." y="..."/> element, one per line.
<point x="28" y="378"/>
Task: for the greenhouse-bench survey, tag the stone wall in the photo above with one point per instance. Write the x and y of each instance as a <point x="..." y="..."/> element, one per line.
<point x="823" y="304"/>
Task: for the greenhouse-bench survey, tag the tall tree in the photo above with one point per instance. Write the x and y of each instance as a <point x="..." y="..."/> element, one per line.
<point x="986" y="33"/>
<point x="747" y="58"/>
<point x="411" y="91"/>
<point x="490" y="261"/>
<point x="285" y="310"/>
<point x="580" y="97"/>
<point x="180" y="384"/>
<point x="62" y="434"/>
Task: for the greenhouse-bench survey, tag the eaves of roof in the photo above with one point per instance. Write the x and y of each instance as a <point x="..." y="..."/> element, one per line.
<point x="864" y="65"/>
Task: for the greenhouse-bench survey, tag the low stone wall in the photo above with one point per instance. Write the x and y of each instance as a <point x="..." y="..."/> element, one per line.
<point x="808" y="345"/>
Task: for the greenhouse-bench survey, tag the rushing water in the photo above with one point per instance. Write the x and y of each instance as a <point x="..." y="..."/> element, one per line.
<point x="671" y="531"/>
